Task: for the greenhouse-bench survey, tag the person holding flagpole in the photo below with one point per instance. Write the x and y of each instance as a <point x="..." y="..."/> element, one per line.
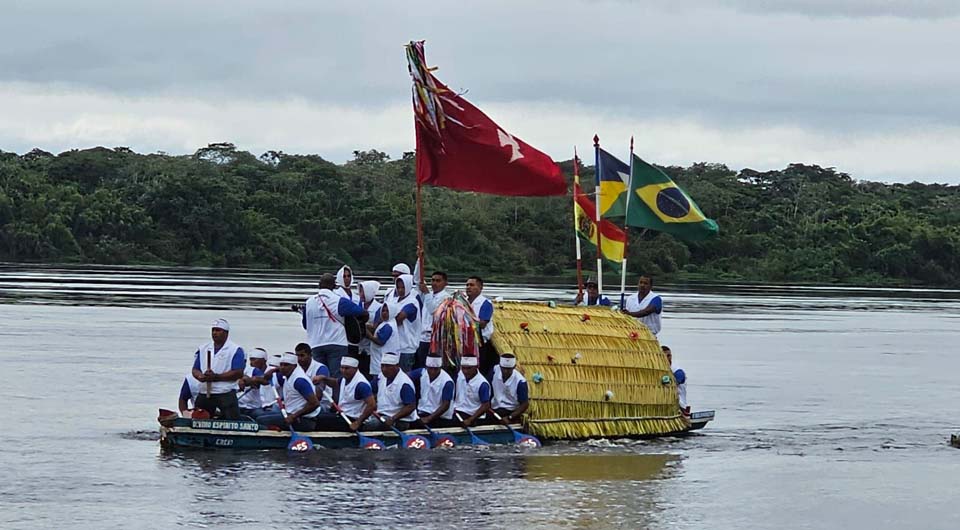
<point x="646" y="306"/>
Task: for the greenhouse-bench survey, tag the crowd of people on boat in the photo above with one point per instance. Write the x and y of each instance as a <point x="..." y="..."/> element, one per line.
<point x="366" y="362"/>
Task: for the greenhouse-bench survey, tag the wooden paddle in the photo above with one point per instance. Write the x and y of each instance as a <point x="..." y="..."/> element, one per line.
<point x="474" y="439"/>
<point x="209" y="383"/>
<point x="365" y="441"/>
<point x="407" y="441"/>
<point x="298" y="442"/>
<point x="523" y="440"/>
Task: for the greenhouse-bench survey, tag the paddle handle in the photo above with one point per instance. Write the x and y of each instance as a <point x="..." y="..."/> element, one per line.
<point x="209" y="383"/>
<point x="499" y="418"/>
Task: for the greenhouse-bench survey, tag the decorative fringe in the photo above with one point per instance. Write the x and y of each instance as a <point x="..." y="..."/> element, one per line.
<point x="592" y="372"/>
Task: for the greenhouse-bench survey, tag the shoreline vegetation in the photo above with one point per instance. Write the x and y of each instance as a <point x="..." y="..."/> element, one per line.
<point x="223" y="207"/>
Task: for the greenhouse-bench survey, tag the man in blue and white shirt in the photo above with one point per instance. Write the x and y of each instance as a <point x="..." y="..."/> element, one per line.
<point x="472" y="400"/>
<point x="322" y="318"/>
<point x="396" y="397"/>
<point x="435" y="390"/>
<point x="511" y="397"/>
<point x="646" y="306"/>
<point x="218" y="365"/>
<point x="405" y="310"/>
<point x="483" y="310"/>
<point x="251" y="395"/>
<point x="299" y="398"/>
<point x="432" y="298"/>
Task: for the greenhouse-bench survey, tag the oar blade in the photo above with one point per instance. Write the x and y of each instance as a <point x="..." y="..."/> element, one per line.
<point x="415" y="441"/>
<point x="475" y="440"/>
<point x="299" y="444"/>
<point x="444" y="441"/>
<point x="526" y="440"/>
<point x="370" y="444"/>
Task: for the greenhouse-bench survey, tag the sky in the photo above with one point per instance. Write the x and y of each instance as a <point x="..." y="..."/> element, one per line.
<point x="869" y="87"/>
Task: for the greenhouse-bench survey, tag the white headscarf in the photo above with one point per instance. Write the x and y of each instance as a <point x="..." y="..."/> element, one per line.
<point x="347" y="289"/>
<point x="402" y="268"/>
<point x="396" y="303"/>
<point x="370" y="288"/>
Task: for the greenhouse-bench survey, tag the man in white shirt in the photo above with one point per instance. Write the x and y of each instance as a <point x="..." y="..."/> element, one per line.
<point x="432" y="298"/>
<point x="646" y="306"/>
<point x="681" y="378"/>
<point x="483" y="310"/>
<point x="218" y="365"/>
<point x="322" y="317"/>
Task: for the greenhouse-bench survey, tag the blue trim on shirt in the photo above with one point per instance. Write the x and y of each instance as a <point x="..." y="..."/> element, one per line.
<point x="375" y="384"/>
<point x="384" y="333"/>
<point x="447" y="393"/>
<point x="362" y="392"/>
<point x="486" y="311"/>
<point x="239" y="361"/>
<point x="185" y="393"/>
<point x="304" y="388"/>
<point x="523" y="393"/>
<point x="323" y="370"/>
<point x="411" y="311"/>
<point x="657" y="304"/>
<point x="407" y="395"/>
<point x="484" y="392"/>
<point x="348" y="308"/>
<point x="680" y="376"/>
<point x="257" y="372"/>
<point x="196" y="362"/>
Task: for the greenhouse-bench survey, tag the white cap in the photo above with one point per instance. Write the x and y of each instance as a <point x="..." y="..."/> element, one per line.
<point x="402" y="268"/>
<point x="274" y="360"/>
<point x="349" y="361"/>
<point x="258" y="353"/>
<point x="508" y="362"/>
<point x="434" y="362"/>
<point x="469" y="361"/>
<point x="221" y="323"/>
<point x="390" y="359"/>
<point x="288" y="358"/>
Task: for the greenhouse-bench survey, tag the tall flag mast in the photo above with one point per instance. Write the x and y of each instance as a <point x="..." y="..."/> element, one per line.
<point x="596" y="151"/>
<point x="626" y="241"/>
<point x="576" y="235"/>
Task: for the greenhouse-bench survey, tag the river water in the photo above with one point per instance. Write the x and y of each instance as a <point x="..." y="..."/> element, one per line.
<point x="834" y="408"/>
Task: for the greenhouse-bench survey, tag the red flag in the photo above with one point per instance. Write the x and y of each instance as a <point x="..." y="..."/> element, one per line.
<point x="472" y="153"/>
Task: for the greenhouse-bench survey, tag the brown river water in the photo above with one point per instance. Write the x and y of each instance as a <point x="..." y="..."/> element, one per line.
<point x="834" y="409"/>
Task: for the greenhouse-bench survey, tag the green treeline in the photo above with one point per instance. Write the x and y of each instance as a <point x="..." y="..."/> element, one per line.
<point x="225" y="207"/>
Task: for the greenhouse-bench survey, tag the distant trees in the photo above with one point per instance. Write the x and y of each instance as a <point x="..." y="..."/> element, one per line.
<point x="225" y="207"/>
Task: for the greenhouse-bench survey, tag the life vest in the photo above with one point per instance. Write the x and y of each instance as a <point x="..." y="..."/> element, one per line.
<point x="388" y="396"/>
<point x="477" y="303"/>
<point x="505" y="392"/>
<point x="468" y="393"/>
<point x="431" y="393"/>
<point x="351" y="406"/>
<point x="292" y="399"/>
<point x="251" y="399"/>
<point x="220" y="363"/>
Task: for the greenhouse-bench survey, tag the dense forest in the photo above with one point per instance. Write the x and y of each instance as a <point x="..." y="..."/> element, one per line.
<point x="228" y="208"/>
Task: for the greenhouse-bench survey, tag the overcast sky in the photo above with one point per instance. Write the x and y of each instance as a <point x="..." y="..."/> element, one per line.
<point x="871" y="87"/>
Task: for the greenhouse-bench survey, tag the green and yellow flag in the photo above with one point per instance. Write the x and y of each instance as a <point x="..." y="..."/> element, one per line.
<point x="663" y="206"/>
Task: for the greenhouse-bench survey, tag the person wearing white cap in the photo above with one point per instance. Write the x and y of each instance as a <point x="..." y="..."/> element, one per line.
<point x="396" y="397"/>
<point x="472" y="399"/>
<point x="250" y="401"/>
<point x="354" y="395"/>
<point x="318" y="373"/>
<point x="511" y="397"/>
<point x="396" y="271"/>
<point x="274" y="382"/>
<point x="483" y="310"/>
<point x="405" y="311"/>
<point x="432" y="298"/>
<point x="383" y="338"/>
<point x="298" y="396"/>
<point x="323" y="316"/>
<point x="218" y="366"/>
<point x="435" y="404"/>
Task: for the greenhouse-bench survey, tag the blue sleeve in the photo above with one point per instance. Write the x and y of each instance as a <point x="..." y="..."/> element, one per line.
<point x="196" y="362"/>
<point x="523" y="393"/>
<point x="384" y="334"/>
<point x="363" y="392"/>
<point x="605" y="301"/>
<point x="657" y="303"/>
<point x="486" y="311"/>
<point x="411" y="312"/>
<point x="239" y="360"/>
<point x="680" y="376"/>
<point x="323" y="370"/>
<point x="447" y="393"/>
<point x="257" y="372"/>
<point x="374" y="384"/>
<point x="484" y="392"/>
<point x="304" y="387"/>
<point x="407" y="395"/>
<point x="185" y="393"/>
<point x="348" y="308"/>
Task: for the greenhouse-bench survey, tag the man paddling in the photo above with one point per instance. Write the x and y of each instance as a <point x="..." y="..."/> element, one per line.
<point x="218" y="365"/>
<point x="472" y="399"/>
<point x="317" y="372"/>
<point x="354" y="396"/>
<point x="396" y="398"/>
<point x="510" y="393"/>
<point x="435" y="403"/>
<point x="646" y="306"/>
<point x="250" y="401"/>
<point x="483" y="310"/>
<point x="299" y="398"/>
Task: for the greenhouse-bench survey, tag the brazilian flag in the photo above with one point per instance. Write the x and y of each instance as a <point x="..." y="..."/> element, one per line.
<point x="663" y="206"/>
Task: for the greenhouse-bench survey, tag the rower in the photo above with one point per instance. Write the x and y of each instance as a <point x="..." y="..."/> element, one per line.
<point x="299" y="398"/>
<point x="396" y="398"/>
<point x="274" y="382"/>
<point x="510" y="392"/>
<point x="646" y="306"/>
<point x="681" y="377"/>
<point x="188" y="394"/>
<point x="593" y="295"/>
<point x="383" y="338"/>
<point x="250" y="401"/>
<point x="472" y="399"/>
<point x="317" y="372"/>
<point x="355" y="397"/>
<point x="483" y="310"/>
<point x="405" y="308"/>
<point x="435" y="405"/>
<point x="218" y="365"/>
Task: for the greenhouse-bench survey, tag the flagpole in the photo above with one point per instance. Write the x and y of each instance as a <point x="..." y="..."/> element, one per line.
<point x="576" y="235"/>
<point x="626" y="239"/>
<point x="420" y="250"/>
<point x="596" y="209"/>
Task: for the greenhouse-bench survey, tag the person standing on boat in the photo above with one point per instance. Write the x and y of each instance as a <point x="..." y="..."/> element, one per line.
<point x="369" y="290"/>
<point x="218" y="365"/>
<point x="435" y="389"/>
<point x="384" y="338"/>
<point x="593" y="295"/>
<point x="681" y="378"/>
<point x="646" y="306"/>
<point x="510" y="393"/>
<point x="405" y="310"/>
<point x="353" y="325"/>
<point x="483" y="310"/>
<point x="396" y="398"/>
<point x="432" y="298"/>
<point x="250" y="401"/>
<point x="344" y="281"/>
<point x="322" y="318"/>
<point x="299" y="398"/>
<point x="472" y="399"/>
<point x="318" y="374"/>
<point x="398" y="270"/>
